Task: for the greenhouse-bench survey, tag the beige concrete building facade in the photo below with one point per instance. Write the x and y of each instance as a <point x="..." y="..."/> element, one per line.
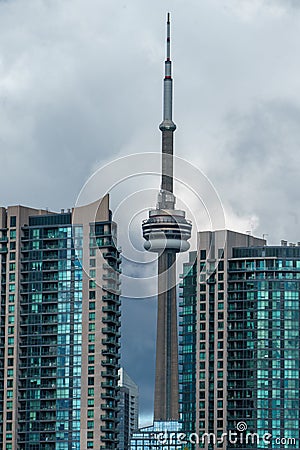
<point x="60" y="321"/>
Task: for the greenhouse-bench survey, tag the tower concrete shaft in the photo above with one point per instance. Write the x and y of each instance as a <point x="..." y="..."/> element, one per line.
<point x="166" y="400"/>
<point x="167" y="232"/>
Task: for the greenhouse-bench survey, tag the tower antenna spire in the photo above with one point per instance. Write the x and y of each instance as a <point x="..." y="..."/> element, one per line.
<point x="168" y="37"/>
<point x="167" y="128"/>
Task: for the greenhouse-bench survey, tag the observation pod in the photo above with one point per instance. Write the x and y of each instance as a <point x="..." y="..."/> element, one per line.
<point x="166" y="230"/>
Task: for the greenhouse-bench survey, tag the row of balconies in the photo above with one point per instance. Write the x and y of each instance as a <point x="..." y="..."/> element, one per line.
<point x="44" y="405"/>
<point x="42" y="363"/>
<point x="50" y="255"/>
<point x="42" y="417"/>
<point x="42" y="310"/>
<point x="39" y="319"/>
<point x="37" y="372"/>
<point x="43" y="385"/>
<point x="37" y="350"/>
<point x="49" y="298"/>
<point x="44" y="235"/>
<point x="43" y="267"/>
<point x="46" y="245"/>
<point x="42" y="277"/>
<point x="52" y="287"/>
<point x="41" y="342"/>
<point x="30" y="395"/>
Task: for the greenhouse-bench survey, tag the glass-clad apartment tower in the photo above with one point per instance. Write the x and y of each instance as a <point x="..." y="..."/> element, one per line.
<point x="128" y="408"/>
<point x="245" y="304"/>
<point x="187" y="344"/>
<point x="60" y="324"/>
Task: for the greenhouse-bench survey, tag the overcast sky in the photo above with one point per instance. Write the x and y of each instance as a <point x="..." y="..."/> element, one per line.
<point x="80" y="85"/>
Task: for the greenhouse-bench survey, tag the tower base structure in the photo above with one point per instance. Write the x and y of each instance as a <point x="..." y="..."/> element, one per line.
<point x="162" y="434"/>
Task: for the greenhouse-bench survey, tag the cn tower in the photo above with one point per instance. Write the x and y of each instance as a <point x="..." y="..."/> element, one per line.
<point x="167" y="232"/>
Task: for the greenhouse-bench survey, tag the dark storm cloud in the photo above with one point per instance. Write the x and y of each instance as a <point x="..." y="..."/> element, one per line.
<point x="80" y="85"/>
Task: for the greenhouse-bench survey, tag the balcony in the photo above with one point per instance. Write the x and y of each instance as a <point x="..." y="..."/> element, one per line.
<point x="110" y="341"/>
<point x="112" y="362"/>
<point x="109" y="330"/>
<point x="111" y="276"/>
<point x="50" y="267"/>
<point x="50" y="277"/>
<point x="111" y="319"/>
<point x="107" y="429"/>
<point x="50" y="256"/>
<point x="108" y="385"/>
<point x="50" y="330"/>
<point x="109" y="374"/>
<point x="111" y="288"/>
<point x="111" y="309"/>
<point x="108" y="396"/>
<point x="108" y="439"/>
<point x="109" y="407"/>
<point x="108" y="418"/>
<point x="110" y="352"/>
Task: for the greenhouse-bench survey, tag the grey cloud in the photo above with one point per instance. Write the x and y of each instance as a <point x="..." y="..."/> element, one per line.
<point x="263" y="167"/>
<point x="287" y="3"/>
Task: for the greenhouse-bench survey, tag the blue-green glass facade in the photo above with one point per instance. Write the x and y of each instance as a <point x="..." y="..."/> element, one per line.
<point x="50" y="336"/>
<point x="187" y="347"/>
<point x="263" y="343"/>
<point x="3" y="253"/>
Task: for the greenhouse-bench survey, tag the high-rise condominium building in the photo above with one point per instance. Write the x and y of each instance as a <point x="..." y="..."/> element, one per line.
<point x="239" y="343"/>
<point x="59" y="335"/>
<point x="128" y="409"/>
